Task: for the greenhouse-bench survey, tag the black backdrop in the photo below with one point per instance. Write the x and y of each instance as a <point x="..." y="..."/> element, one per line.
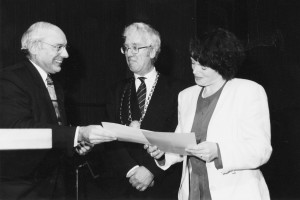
<point x="270" y="30"/>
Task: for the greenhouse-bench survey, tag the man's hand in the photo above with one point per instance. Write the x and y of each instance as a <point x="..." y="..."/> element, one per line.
<point x="95" y="134"/>
<point x="83" y="148"/>
<point x="141" y="178"/>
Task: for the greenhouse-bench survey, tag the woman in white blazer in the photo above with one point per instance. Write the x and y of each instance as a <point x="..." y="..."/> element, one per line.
<point x="230" y="118"/>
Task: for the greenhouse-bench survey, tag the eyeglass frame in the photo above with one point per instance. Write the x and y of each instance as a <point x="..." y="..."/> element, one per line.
<point x="134" y="49"/>
<point x="58" y="47"/>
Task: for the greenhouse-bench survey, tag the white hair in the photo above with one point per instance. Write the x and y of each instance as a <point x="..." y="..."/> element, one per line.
<point x="34" y="33"/>
<point x="151" y="35"/>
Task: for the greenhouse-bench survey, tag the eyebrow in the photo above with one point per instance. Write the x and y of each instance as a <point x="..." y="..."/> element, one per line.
<point x="133" y="44"/>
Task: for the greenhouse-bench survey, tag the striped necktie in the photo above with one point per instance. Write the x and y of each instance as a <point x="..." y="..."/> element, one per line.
<point x="141" y="94"/>
<point x="51" y="90"/>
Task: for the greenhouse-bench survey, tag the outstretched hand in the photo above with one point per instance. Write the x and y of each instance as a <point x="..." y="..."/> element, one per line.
<point x="95" y="134"/>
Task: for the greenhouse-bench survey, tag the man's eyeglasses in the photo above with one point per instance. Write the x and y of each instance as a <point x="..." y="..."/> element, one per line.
<point x="58" y="47"/>
<point x="134" y="49"/>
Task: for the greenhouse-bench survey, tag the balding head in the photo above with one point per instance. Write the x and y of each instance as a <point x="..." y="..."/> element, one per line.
<point x="37" y="32"/>
<point x="45" y="45"/>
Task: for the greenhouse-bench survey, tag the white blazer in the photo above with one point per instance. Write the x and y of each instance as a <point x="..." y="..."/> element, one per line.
<point x="240" y="125"/>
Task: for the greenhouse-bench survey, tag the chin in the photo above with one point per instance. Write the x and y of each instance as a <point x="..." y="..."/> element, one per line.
<point x="57" y="69"/>
<point x="200" y="83"/>
<point x="133" y="69"/>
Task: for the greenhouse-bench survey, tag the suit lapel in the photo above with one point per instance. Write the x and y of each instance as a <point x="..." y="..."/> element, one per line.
<point x="192" y="106"/>
<point x="42" y="90"/>
<point x="134" y="108"/>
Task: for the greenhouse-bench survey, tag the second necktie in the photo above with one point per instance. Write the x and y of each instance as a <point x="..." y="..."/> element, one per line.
<point x="141" y="94"/>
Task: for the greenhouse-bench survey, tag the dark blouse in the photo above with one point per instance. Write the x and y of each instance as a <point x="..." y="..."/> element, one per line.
<point x="199" y="184"/>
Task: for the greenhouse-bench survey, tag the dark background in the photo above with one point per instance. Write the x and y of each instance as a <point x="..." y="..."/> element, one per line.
<point x="270" y="30"/>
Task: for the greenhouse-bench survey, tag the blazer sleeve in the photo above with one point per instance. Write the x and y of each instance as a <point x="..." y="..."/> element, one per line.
<point x="247" y="146"/>
<point x="171" y="158"/>
<point x="115" y="152"/>
<point x="16" y="106"/>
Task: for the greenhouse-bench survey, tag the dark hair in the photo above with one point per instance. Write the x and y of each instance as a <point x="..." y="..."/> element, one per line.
<point x="218" y="49"/>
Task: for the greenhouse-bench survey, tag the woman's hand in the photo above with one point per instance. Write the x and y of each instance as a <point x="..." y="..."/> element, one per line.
<point x="207" y="151"/>
<point x="154" y="151"/>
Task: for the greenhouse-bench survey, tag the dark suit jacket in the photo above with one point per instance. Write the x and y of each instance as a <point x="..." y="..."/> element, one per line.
<point x="161" y="115"/>
<point x="25" y="103"/>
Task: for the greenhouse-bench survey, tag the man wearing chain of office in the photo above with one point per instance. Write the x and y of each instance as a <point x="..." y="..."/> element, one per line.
<point x="147" y="100"/>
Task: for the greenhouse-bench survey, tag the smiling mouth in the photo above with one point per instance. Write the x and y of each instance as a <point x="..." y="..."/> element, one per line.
<point x="59" y="61"/>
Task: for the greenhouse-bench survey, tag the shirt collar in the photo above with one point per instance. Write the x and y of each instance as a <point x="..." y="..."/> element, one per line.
<point x="41" y="72"/>
<point x="150" y="76"/>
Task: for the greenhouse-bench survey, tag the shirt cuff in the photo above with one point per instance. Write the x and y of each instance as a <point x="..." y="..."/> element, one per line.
<point x="76" y="137"/>
<point x="132" y="169"/>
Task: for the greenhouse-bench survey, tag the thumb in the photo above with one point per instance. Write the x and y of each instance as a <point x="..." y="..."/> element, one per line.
<point x="131" y="172"/>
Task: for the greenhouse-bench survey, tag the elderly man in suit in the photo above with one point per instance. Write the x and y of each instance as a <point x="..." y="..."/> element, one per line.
<point x="147" y="100"/>
<point x="30" y="99"/>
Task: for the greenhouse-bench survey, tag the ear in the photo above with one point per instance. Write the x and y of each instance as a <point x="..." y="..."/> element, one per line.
<point x="34" y="48"/>
<point x="152" y="52"/>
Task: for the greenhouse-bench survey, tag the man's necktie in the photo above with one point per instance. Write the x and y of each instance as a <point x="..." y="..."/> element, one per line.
<point x="141" y="94"/>
<point x="51" y="90"/>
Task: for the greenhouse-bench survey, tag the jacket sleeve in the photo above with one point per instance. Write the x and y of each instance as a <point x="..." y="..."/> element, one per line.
<point x="16" y="106"/>
<point x="115" y="152"/>
<point x="249" y="146"/>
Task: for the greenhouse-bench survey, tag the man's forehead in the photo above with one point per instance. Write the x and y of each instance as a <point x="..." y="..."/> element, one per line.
<point x="55" y="35"/>
<point x="135" y="38"/>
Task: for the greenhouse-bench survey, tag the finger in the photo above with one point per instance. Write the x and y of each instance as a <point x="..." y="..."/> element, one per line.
<point x="156" y="153"/>
<point x="143" y="189"/>
<point x="88" y="144"/>
<point x="146" y="146"/>
<point x="98" y="141"/>
<point x="130" y="174"/>
<point x="78" y="151"/>
<point x="140" y="187"/>
<point x="152" y="149"/>
<point x="81" y="152"/>
<point x="134" y="184"/>
<point x="152" y="184"/>
<point x="87" y="148"/>
<point x="159" y="156"/>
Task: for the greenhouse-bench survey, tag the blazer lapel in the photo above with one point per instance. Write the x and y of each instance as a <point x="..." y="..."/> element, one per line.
<point x="192" y="105"/>
<point x="42" y="90"/>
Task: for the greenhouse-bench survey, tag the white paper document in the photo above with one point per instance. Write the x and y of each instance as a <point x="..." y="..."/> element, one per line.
<point x="13" y="139"/>
<point x="126" y="133"/>
<point x="165" y="141"/>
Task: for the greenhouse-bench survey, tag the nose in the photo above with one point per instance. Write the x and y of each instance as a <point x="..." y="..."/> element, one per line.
<point x="195" y="69"/>
<point x="64" y="53"/>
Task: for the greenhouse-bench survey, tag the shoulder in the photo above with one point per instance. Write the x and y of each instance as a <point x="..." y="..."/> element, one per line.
<point x="14" y="72"/>
<point x="243" y="84"/>
<point x="190" y="91"/>
<point x="120" y="85"/>
<point x="16" y="68"/>
<point x="244" y="88"/>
